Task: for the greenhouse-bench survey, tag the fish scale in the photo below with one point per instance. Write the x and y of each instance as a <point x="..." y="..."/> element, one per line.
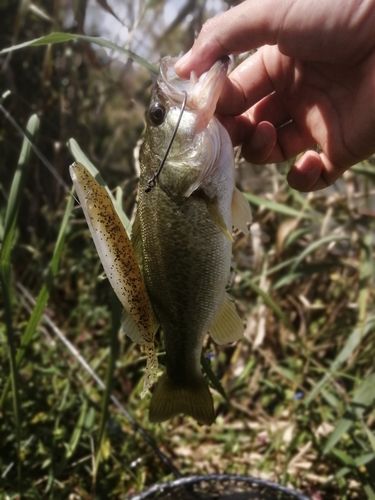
<point x="186" y="264"/>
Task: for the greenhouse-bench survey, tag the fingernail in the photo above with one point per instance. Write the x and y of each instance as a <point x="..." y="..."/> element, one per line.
<point x="305" y="173"/>
<point x="182" y="61"/>
<point x="258" y="141"/>
<point x="264" y="137"/>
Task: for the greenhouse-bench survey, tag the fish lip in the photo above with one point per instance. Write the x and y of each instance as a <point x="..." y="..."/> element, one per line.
<point x="202" y="93"/>
<point x="168" y="81"/>
<point x="207" y="92"/>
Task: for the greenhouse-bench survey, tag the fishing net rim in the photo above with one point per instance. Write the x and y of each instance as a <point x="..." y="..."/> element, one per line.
<point x="169" y="486"/>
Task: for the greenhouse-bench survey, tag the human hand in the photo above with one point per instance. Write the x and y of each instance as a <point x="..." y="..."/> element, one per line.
<point x="309" y="88"/>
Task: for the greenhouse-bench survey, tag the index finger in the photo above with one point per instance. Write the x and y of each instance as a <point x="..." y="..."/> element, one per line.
<point x="246" y="26"/>
<point x="246" y="85"/>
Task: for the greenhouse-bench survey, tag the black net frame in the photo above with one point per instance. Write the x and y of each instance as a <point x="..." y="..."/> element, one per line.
<point x="219" y="487"/>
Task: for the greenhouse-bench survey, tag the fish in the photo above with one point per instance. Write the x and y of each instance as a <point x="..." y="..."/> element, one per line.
<point x="184" y="225"/>
<point x="179" y="255"/>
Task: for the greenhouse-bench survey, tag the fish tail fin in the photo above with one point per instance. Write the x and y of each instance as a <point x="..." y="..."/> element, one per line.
<point x="169" y="400"/>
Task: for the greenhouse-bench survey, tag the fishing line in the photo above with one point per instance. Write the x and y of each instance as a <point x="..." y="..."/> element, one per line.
<point x="151" y="183"/>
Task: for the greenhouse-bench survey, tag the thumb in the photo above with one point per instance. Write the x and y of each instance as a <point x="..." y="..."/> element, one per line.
<point x="247" y="26"/>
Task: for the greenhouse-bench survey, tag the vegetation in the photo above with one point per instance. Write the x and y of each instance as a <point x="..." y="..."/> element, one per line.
<point x="295" y="398"/>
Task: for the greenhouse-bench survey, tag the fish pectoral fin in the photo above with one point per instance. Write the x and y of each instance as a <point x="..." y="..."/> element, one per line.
<point x="218" y="219"/>
<point x="241" y="212"/>
<point x="169" y="400"/>
<point x="227" y="327"/>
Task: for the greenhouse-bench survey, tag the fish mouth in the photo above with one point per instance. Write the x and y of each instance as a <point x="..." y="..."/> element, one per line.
<point x="202" y="93"/>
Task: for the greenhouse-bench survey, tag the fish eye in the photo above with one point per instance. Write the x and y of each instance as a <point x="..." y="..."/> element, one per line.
<point x="156" y="113"/>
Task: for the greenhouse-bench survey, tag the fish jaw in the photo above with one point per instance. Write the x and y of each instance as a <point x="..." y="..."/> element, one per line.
<point x="202" y="93"/>
<point x="207" y="91"/>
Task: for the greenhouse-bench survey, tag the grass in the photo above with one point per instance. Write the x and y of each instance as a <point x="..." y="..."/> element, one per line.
<point x="295" y="397"/>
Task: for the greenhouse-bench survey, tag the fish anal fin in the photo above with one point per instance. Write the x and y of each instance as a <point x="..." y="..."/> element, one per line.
<point x="241" y="212"/>
<point x="169" y="400"/>
<point x="227" y="326"/>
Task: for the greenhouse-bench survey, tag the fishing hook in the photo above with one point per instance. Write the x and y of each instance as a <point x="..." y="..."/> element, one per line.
<point x="151" y="183"/>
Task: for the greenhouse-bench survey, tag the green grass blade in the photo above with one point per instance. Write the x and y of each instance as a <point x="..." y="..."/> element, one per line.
<point x="303" y="271"/>
<point x="341" y="428"/>
<point x="7" y="286"/>
<point x="77" y="432"/>
<point x="315" y="245"/>
<point x="114" y="349"/>
<point x="278" y="207"/>
<point x="370" y="492"/>
<point x="364" y="459"/>
<point x="15" y="193"/>
<point x="364" y="168"/>
<point x="371" y="437"/>
<point x="270" y="271"/>
<point x="364" y="395"/>
<point x="43" y="295"/>
<point x="81" y="157"/>
<point x="211" y="375"/>
<point x="352" y="343"/>
<point x="268" y="300"/>
<point x="37" y="151"/>
<point x="60" y="37"/>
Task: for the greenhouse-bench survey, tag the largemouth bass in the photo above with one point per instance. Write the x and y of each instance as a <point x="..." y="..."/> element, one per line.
<point x="185" y="224"/>
<point x="181" y="238"/>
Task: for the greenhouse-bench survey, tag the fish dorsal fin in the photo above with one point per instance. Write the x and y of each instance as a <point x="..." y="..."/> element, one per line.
<point x="218" y="219"/>
<point x="227" y="327"/>
<point x="241" y="212"/>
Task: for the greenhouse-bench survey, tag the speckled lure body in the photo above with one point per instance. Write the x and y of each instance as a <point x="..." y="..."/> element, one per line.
<point x="118" y="258"/>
